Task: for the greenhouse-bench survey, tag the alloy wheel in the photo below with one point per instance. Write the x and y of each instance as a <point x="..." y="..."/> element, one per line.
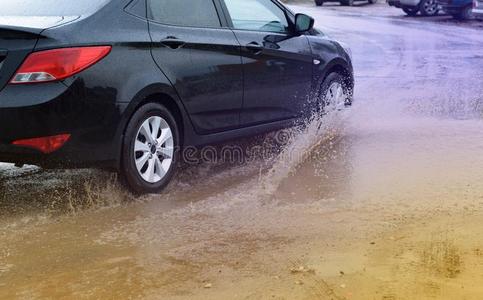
<point x="335" y="97"/>
<point x="154" y="149"/>
<point x="430" y="7"/>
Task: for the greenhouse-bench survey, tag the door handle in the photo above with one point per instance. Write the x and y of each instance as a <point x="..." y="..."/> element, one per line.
<point x="173" y="42"/>
<point x="254" y="47"/>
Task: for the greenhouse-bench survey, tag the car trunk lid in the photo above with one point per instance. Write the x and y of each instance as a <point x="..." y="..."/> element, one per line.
<point x="18" y="37"/>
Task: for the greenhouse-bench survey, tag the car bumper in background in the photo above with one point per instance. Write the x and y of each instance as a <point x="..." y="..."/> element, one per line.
<point x="478" y="12"/>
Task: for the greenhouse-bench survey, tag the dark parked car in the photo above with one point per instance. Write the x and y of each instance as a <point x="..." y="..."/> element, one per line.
<point x="124" y="84"/>
<point x="342" y="2"/>
<point x="459" y="9"/>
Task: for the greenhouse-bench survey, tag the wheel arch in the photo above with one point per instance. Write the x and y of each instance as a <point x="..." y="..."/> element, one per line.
<point x="156" y="93"/>
<point x="341" y="67"/>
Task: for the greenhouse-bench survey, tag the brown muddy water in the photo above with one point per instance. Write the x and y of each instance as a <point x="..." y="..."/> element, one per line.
<point x="381" y="201"/>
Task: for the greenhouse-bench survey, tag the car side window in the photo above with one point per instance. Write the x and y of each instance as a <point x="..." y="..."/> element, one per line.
<point x="195" y="13"/>
<point x="257" y="15"/>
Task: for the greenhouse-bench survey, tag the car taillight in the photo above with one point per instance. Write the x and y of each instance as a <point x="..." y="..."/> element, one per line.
<point x="45" y="145"/>
<point x="58" y="64"/>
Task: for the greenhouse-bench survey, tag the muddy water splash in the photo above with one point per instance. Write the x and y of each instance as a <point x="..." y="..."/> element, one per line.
<point x="350" y="208"/>
<point x="302" y="143"/>
<point x="30" y="191"/>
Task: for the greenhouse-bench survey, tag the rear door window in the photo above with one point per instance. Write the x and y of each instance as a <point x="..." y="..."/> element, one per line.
<point x="193" y="13"/>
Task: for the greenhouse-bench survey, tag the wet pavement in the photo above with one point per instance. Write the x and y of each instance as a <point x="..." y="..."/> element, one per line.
<point x="382" y="201"/>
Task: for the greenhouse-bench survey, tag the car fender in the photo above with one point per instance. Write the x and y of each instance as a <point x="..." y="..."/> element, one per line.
<point x="144" y="95"/>
<point x="328" y="55"/>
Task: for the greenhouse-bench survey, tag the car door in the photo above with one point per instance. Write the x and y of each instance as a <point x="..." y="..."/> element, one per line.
<point x="277" y="64"/>
<point x="201" y="58"/>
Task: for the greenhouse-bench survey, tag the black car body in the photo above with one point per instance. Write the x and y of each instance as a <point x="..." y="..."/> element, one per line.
<point x="218" y="82"/>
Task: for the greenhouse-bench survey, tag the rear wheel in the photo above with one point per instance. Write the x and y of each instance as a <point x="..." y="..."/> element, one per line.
<point x="411" y="11"/>
<point x="319" y="2"/>
<point x="149" y="156"/>
<point x="429" y="8"/>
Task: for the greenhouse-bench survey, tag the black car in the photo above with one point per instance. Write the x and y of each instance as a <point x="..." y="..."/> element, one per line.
<point x="124" y="85"/>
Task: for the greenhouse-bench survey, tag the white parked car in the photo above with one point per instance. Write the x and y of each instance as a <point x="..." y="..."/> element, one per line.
<point x="413" y="7"/>
<point x="478" y="9"/>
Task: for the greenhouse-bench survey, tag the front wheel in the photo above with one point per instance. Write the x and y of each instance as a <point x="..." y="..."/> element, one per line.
<point x="319" y="2"/>
<point x="149" y="156"/>
<point x="411" y="11"/>
<point x="335" y="94"/>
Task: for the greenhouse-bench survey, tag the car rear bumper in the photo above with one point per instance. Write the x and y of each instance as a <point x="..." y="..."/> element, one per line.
<point x="49" y="109"/>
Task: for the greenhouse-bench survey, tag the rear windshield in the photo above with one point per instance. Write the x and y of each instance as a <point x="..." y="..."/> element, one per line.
<point x="50" y="7"/>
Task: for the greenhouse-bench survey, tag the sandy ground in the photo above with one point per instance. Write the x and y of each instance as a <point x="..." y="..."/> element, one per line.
<point x="382" y="201"/>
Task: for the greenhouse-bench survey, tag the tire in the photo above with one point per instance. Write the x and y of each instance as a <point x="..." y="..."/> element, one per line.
<point x="411" y="11"/>
<point x="319" y="2"/>
<point x="328" y="103"/>
<point x="372" y="1"/>
<point x="148" y="164"/>
<point x="347" y="2"/>
<point x="465" y="14"/>
<point x="429" y="8"/>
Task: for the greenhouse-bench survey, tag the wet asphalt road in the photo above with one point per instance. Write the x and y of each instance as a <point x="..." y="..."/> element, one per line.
<point x="382" y="201"/>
